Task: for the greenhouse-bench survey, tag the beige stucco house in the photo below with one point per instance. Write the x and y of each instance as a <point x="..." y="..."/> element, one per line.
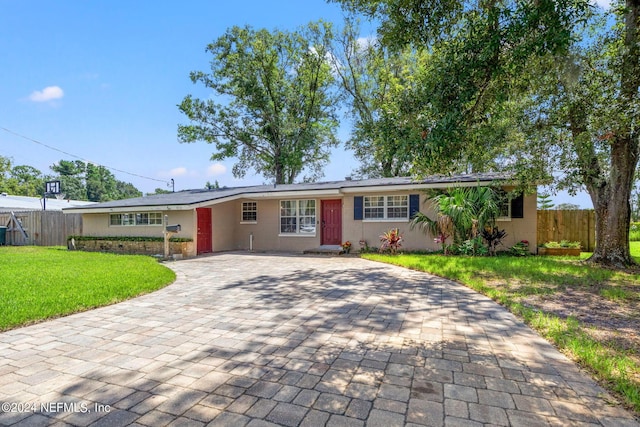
<point x="297" y="217"/>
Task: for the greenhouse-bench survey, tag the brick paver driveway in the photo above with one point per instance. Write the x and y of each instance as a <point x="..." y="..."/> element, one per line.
<point x="263" y="340"/>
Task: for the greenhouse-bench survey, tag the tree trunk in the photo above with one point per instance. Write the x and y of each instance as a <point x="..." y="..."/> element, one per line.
<point x="611" y="198"/>
<point x="612" y="207"/>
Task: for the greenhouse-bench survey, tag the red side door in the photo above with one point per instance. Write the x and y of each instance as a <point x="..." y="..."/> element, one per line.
<point x="204" y="230"/>
<point x="331" y="220"/>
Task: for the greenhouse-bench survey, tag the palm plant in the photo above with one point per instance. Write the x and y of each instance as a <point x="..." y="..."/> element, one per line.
<point x="461" y="213"/>
<point x="441" y="228"/>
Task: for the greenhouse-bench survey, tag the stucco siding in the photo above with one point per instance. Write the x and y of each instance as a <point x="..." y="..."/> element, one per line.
<point x="525" y="228"/>
<point x="230" y="232"/>
<point x="266" y="230"/>
<point x="98" y="225"/>
<point x="371" y="230"/>
<point x="223" y="223"/>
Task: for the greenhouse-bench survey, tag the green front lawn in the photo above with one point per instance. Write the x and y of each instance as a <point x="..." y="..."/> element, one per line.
<point x="38" y="283"/>
<point x="523" y="284"/>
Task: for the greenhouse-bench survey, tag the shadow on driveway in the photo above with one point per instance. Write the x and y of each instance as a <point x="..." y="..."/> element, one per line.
<point x="245" y="339"/>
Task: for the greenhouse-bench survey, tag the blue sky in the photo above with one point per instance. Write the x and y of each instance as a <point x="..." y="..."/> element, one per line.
<point x="101" y="80"/>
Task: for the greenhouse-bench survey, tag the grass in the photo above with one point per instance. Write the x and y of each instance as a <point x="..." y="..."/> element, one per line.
<point x="510" y="280"/>
<point x="634" y="232"/>
<point x="39" y="283"/>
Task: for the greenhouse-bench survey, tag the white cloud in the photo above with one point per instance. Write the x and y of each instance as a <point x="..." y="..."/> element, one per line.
<point x="49" y="93"/>
<point x="365" y="42"/>
<point x="180" y="171"/>
<point x="605" y="4"/>
<point x="216" y="169"/>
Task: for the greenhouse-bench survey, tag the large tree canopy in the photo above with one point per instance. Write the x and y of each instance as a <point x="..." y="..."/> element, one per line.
<point x="496" y="62"/>
<point x="378" y="86"/>
<point x="20" y="180"/>
<point x="86" y="181"/>
<point x="272" y="106"/>
<point x="79" y="181"/>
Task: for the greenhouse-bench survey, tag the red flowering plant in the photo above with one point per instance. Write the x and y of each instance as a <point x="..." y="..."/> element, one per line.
<point x="391" y="241"/>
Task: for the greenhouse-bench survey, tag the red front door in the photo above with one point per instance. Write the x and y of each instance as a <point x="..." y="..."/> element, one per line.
<point x="204" y="230"/>
<point x="331" y="221"/>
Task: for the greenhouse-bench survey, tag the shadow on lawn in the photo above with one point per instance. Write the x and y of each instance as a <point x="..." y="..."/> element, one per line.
<point x="539" y="272"/>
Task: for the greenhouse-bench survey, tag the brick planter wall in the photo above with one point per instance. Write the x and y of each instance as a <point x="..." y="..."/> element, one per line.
<point x="185" y="249"/>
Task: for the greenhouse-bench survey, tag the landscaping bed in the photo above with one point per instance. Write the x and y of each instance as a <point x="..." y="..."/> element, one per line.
<point x="153" y="246"/>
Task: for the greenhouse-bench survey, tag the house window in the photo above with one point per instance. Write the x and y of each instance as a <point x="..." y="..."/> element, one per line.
<point x="298" y="217"/>
<point x="138" y="218"/>
<point x="505" y="207"/>
<point x="249" y="211"/>
<point x="386" y="207"/>
<point x="510" y="206"/>
<point x="149" y="218"/>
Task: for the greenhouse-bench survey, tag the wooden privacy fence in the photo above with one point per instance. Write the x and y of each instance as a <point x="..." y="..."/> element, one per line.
<point x="42" y="228"/>
<point x="571" y="225"/>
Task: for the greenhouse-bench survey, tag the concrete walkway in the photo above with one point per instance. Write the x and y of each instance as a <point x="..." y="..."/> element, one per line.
<point x="263" y="340"/>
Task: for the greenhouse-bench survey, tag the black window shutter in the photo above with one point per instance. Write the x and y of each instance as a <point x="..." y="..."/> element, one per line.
<point x="358" y="202"/>
<point x="414" y="204"/>
<point x="517" y="207"/>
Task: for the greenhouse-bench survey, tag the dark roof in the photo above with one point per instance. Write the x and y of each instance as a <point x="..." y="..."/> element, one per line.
<point x="194" y="197"/>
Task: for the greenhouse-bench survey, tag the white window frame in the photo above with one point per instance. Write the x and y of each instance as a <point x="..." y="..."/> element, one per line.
<point x="243" y="210"/>
<point x="298" y="217"/>
<point x="388" y="205"/>
<point x="507" y="201"/>
<point x="132" y="219"/>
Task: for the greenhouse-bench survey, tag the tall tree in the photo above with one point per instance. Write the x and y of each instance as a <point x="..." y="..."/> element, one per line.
<point x="126" y="190"/>
<point x="545" y="202"/>
<point x="5" y="169"/>
<point x="20" y="180"/>
<point x="482" y="48"/>
<point x="71" y="175"/>
<point x="586" y="112"/>
<point x="477" y="50"/>
<point x="26" y="180"/>
<point x="378" y="86"/>
<point x="96" y="183"/>
<point x="274" y="108"/>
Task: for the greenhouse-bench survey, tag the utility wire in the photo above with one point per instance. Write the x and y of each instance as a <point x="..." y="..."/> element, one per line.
<point x="78" y="157"/>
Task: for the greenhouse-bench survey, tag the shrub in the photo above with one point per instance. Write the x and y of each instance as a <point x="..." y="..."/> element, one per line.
<point x="391" y="241"/>
<point x="634" y="232"/>
<point x="494" y="238"/>
<point x="129" y="238"/>
<point x="520" y="249"/>
<point x="471" y="247"/>
<point x="561" y="244"/>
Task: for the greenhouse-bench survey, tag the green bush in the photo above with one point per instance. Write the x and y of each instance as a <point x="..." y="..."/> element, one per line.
<point x="562" y="244"/>
<point x="470" y="247"/>
<point x="520" y="249"/>
<point x="129" y="238"/>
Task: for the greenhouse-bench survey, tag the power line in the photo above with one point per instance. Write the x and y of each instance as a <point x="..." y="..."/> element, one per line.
<point x="78" y="157"/>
